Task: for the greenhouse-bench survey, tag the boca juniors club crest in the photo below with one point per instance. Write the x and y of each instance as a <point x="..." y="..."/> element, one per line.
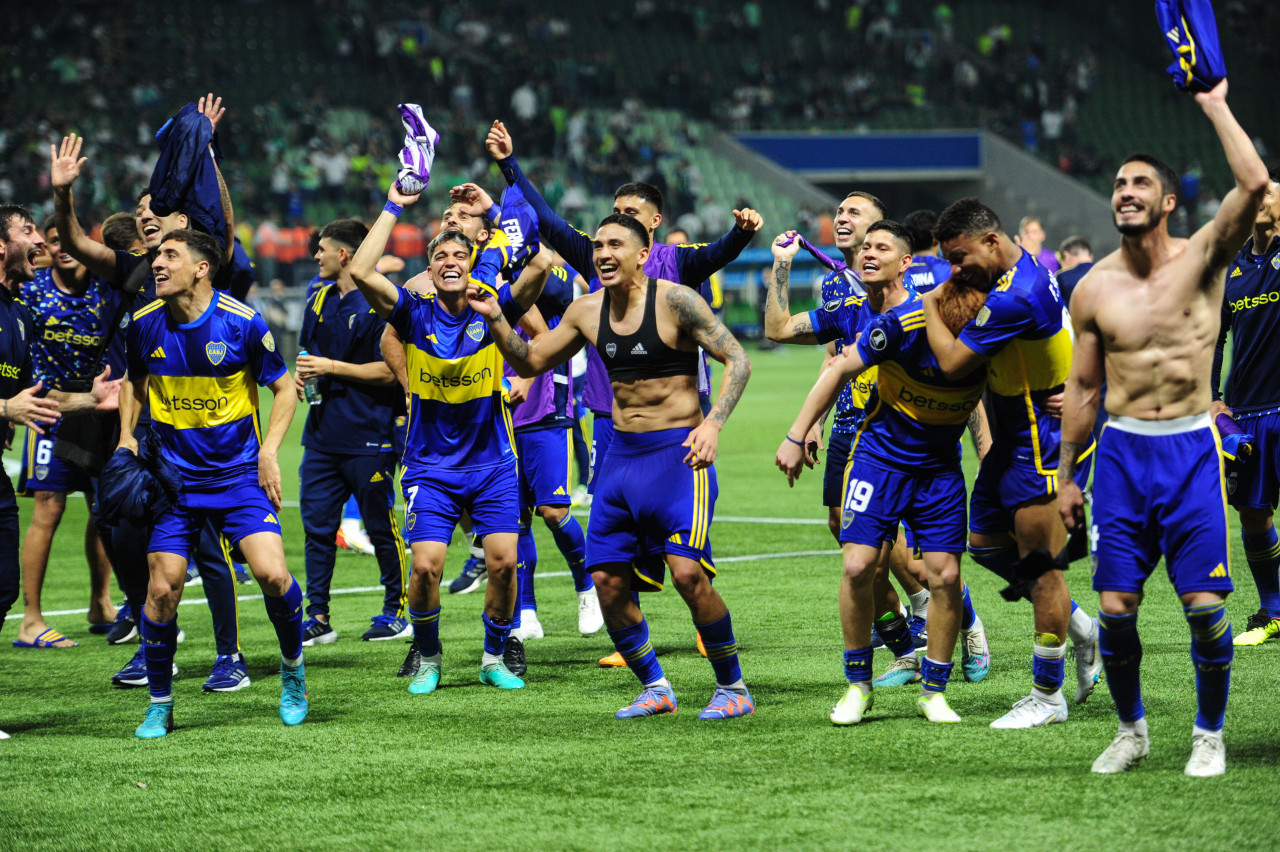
<point x="611" y="349"/>
<point x="410" y="521"/>
<point x="216" y="352"/>
<point x="476" y="330"/>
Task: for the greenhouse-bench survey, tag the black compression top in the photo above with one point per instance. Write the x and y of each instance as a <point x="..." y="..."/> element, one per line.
<point x="641" y="355"/>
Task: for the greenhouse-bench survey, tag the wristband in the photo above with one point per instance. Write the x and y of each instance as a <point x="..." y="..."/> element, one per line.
<point x="794" y="441"/>
<point x="393" y="208"/>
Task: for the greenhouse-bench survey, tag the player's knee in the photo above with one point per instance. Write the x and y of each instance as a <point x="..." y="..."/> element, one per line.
<point x="1118" y="603"/>
<point x="1255" y="521"/>
<point x="49" y="508"/>
<point x="552" y="515"/>
<point x="689" y="579"/>
<point x="424" y="572"/>
<point x="860" y="570"/>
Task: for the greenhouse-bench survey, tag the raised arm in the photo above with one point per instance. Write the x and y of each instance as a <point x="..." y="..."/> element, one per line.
<point x="1083" y="395"/>
<point x="551" y="349"/>
<point x="697" y="264"/>
<point x="1221" y="238"/>
<point x="65" y="167"/>
<point x="842" y="368"/>
<point x="573" y="245"/>
<point x="378" y="289"/>
<point x="779" y="323"/>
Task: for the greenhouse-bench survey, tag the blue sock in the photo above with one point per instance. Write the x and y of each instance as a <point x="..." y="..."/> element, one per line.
<point x="351" y="509"/>
<point x="997" y="560"/>
<point x="573" y="546"/>
<point x="1211" y="651"/>
<point x="1048" y="663"/>
<point x="526" y="564"/>
<point x="634" y="646"/>
<point x="968" y="616"/>
<point x="722" y="650"/>
<point x="1121" y="658"/>
<point x="857" y="665"/>
<point x="896" y="634"/>
<point x="285" y="613"/>
<point x="159" y="641"/>
<point x="934" y="675"/>
<point x="495" y="634"/>
<point x="426" y="630"/>
<point x="1263" y="553"/>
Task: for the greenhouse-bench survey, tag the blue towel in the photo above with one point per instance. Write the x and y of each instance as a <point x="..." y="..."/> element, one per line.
<point x="184" y="179"/>
<point x="1192" y="36"/>
<point x="138" y="488"/>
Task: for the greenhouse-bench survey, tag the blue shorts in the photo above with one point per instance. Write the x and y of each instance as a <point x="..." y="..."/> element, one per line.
<point x="434" y="499"/>
<point x="877" y="498"/>
<point x="545" y="459"/>
<point x="646" y="495"/>
<point x="237" y="511"/>
<point x="1159" y="489"/>
<point x="43" y="471"/>
<point x="838" y="446"/>
<point x="1005" y="484"/>
<point x="601" y="438"/>
<point x="1255" y="484"/>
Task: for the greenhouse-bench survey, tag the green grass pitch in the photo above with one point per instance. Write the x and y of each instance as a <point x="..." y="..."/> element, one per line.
<point x="549" y="766"/>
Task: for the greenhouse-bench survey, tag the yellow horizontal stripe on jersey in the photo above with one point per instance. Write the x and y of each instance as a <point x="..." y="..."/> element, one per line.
<point x="924" y="403"/>
<point x="1030" y="365"/>
<point x="454" y="380"/>
<point x="196" y="402"/>
<point x="861" y="386"/>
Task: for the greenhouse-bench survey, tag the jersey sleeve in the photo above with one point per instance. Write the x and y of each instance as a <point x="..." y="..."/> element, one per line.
<point x="512" y="310"/>
<point x="697" y="262"/>
<point x="308" y="323"/>
<point x="881" y="340"/>
<point x="263" y="354"/>
<point x="126" y="262"/>
<point x="1005" y="315"/>
<point x="836" y="320"/>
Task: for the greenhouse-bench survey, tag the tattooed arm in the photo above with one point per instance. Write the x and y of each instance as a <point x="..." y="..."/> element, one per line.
<point x="694" y="317"/>
<point x="779" y="323"/>
<point x="551" y="349"/>
<point x="980" y="430"/>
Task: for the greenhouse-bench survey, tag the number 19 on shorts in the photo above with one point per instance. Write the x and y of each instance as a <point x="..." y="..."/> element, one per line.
<point x="858" y="496"/>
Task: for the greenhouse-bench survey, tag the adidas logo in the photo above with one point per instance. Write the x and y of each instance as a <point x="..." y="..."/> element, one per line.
<point x="560" y="491"/>
<point x="1172" y="35"/>
<point x="1236" y="271"/>
<point x="639" y="350"/>
<point x="271" y="519"/>
<point x="377" y="477"/>
<point x="1220" y="571"/>
<point x="159" y="353"/>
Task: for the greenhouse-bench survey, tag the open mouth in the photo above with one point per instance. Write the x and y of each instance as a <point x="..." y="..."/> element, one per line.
<point x="870" y="266"/>
<point x="607" y="270"/>
<point x="843" y="233"/>
<point x="161" y="277"/>
<point x="150" y="229"/>
<point x="450" y="276"/>
<point x="1128" y="207"/>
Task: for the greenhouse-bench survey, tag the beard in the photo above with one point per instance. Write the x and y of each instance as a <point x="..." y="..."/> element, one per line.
<point x="1137" y="229"/>
<point x="957" y="305"/>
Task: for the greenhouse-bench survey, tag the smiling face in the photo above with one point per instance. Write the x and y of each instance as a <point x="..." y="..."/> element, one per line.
<point x="975" y="260"/>
<point x="1138" y="200"/>
<point x="643" y="211"/>
<point x="153" y="227"/>
<point x="450" y="264"/>
<point x="177" y="269"/>
<point x="457" y="219"/>
<point x="854" y="215"/>
<point x="882" y="258"/>
<point x="61" y="260"/>
<point x="618" y="254"/>
<point x="22" y="246"/>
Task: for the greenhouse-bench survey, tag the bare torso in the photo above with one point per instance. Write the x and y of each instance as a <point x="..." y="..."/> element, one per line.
<point x="1157" y="331"/>
<point x="647" y="405"/>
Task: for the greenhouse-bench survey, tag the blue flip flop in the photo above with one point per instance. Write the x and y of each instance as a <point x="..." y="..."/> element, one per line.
<point x="47" y="639"/>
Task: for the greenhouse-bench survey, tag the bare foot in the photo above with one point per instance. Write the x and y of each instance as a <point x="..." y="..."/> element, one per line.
<point x="39" y="633"/>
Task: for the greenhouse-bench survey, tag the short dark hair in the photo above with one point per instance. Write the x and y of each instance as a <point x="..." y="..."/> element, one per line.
<point x="119" y="231"/>
<point x="896" y="230"/>
<point x="966" y="218"/>
<point x="631" y="223"/>
<point x="200" y="244"/>
<point x="349" y="233"/>
<point x="9" y="212"/>
<point x="919" y="223"/>
<point x="857" y="193"/>
<point x="452" y="235"/>
<point x="644" y="191"/>
<point x="1073" y="244"/>
<point x="1170" y="183"/>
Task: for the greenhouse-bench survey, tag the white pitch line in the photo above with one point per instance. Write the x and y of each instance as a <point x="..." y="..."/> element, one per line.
<point x="356" y="590"/>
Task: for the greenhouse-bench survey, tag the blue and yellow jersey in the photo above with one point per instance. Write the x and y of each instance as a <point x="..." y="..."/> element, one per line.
<point x="837" y="287"/>
<point x="915" y="421"/>
<point x="353" y="418"/>
<point x="203" y="386"/>
<point x="926" y="272"/>
<point x="16" y="331"/>
<point x="1251" y="310"/>
<point x="840" y="320"/>
<point x="1021" y="331"/>
<point x="69" y="329"/>
<point x="489" y="260"/>
<point x="457" y="419"/>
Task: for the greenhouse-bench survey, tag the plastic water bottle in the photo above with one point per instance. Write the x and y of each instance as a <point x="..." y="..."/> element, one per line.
<point x="311" y="387"/>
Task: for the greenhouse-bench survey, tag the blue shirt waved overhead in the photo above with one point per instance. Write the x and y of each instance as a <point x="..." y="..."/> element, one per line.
<point x="203" y="387"/>
<point x="356" y="418"/>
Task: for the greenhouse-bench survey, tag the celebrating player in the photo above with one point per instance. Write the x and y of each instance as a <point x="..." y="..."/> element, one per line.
<point x="657" y="486"/>
<point x="1146" y="316"/>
